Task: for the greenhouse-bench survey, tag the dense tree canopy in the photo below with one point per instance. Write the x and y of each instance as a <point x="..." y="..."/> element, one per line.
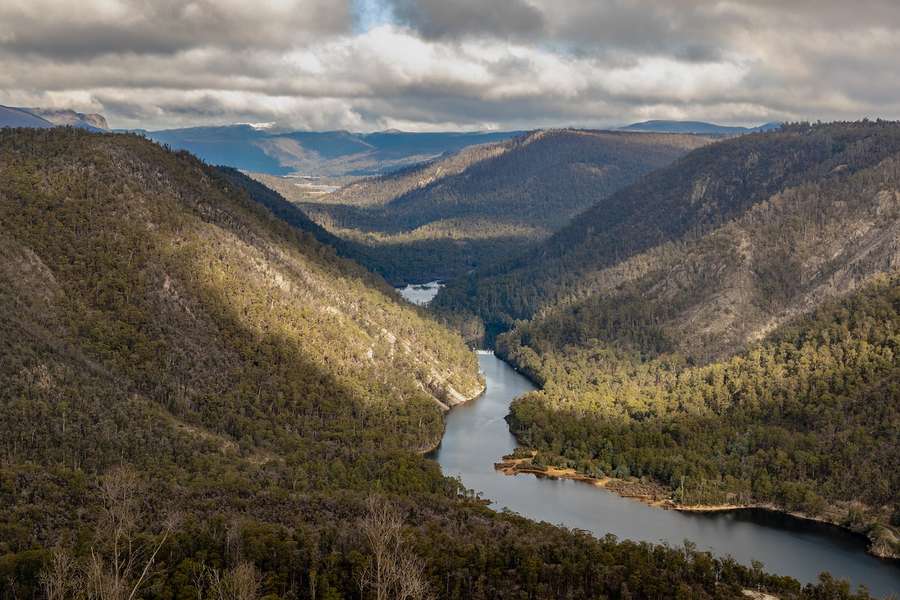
<point x="256" y="391"/>
<point x="486" y="203"/>
<point x="696" y="194"/>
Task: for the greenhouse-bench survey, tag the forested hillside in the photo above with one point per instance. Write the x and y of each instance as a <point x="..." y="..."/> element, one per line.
<point x="806" y="420"/>
<point x="192" y="385"/>
<point x="377" y="258"/>
<point x="489" y="202"/>
<point x="680" y="204"/>
<point x="749" y="362"/>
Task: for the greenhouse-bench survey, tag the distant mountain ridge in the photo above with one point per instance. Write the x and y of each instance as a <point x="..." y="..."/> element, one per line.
<point x="697" y="127"/>
<point x="19" y="117"/>
<point x="320" y="153"/>
<point x="335" y="153"/>
<point x="440" y="219"/>
<point x="43" y="118"/>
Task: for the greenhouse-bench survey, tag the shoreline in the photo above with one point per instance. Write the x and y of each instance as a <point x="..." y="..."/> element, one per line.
<point x="883" y="542"/>
<point x="658" y="496"/>
<point x="446" y="408"/>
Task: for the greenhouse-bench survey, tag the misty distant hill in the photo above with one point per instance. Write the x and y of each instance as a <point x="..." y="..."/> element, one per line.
<point x="239" y="146"/>
<point x="43" y="118"/>
<point x="698" y="127"/>
<point x="62" y="117"/>
<point x="17" y="117"/>
<point x="321" y="153"/>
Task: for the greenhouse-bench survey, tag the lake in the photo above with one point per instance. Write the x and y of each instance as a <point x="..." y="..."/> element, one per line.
<point x="420" y="294"/>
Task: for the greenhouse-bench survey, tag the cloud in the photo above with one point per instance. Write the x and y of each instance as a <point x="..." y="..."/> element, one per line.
<point x="440" y="18"/>
<point x="431" y="64"/>
<point x="70" y="31"/>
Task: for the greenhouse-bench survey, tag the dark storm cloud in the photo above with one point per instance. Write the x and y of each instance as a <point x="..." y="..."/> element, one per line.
<point x="431" y="64"/>
<point x="688" y="29"/>
<point x="439" y="18"/>
<point x="75" y="31"/>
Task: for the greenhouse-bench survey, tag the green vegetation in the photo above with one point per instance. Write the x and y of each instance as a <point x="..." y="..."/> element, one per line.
<point x="754" y="362"/>
<point x="801" y="421"/>
<point x="486" y="203"/>
<point x="697" y="194"/>
<point x="181" y="370"/>
<point x="389" y="256"/>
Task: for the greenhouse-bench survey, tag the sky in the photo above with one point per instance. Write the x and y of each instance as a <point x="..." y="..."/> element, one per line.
<point x="429" y="65"/>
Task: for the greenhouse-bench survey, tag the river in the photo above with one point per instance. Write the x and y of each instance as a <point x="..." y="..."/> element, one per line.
<point x="477" y="436"/>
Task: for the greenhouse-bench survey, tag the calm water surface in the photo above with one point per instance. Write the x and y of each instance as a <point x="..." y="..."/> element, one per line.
<point x="477" y="436"/>
<point x="421" y="294"/>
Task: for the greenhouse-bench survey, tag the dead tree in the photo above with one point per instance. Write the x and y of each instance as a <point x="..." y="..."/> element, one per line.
<point x="60" y="579"/>
<point x="119" y="564"/>
<point x="243" y="582"/>
<point x="394" y="572"/>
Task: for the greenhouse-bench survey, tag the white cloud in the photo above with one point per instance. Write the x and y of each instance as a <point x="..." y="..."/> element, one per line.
<point x="451" y="63"/>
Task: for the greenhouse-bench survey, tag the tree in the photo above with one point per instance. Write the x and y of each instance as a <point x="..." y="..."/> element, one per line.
<point x="60" y="577"/>
<point x="242" y="582"/>
<point x="394" y="572"/>
<point x="120" y="563"/>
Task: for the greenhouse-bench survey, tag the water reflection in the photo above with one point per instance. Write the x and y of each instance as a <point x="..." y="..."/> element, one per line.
<point x="477" y="436"/>
<point x="420" y="294"/>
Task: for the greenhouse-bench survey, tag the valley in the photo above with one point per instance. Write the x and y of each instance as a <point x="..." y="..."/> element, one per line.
<point x="721" y="352"/>
<point x="485" y="203"/>
<point x="180" y="318"/>
<point x="791" y="543"/>
<point x="449" y="300"/>
<point x="477" y="436"/>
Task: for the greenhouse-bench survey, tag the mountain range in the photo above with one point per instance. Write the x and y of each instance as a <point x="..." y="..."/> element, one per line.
<point x="335" y="154"/>
<point x="215" y="382"/>
<point x="318" y="153"/>
<point x="322" y="154"/>
<point x="43" y="118"/>
<point x="442" y="218"/>
<point x="726" y="326"/>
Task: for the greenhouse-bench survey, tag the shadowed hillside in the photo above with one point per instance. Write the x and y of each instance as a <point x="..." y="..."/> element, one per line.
<point x="726" y="327"/>
<point x="488" y="202"/>
<point x="181" y="364"/>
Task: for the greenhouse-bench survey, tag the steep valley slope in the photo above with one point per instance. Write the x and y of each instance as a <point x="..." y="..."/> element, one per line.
<point x="487" y="202"/>
<point x="686" y="200"/>
<point x="727" y="327"/>
<point x="173" y="352"/>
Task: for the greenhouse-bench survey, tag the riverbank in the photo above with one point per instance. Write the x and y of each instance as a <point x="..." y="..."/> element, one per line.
<point x="477" y="431"/>
<point x="883" y="542"/>
<point x="446" y="407"/>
